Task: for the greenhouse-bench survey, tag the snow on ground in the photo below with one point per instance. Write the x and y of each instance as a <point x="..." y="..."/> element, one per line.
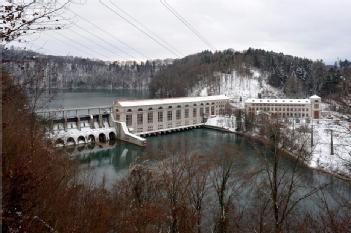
<point x="235" y="86"/>
<point x="223" y="122"/>
<point x="322" y="158"/>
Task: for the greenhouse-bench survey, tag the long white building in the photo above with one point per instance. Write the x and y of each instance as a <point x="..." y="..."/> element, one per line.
<point x="285" y="108"/>
<point x="156" y="115"/>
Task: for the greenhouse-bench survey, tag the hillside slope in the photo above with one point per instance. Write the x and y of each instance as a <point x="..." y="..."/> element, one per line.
<point x="237" y="74"/>
<point x="237" y="86"/>
<point x="251" y="72"/>
<point x="64" y="72"/>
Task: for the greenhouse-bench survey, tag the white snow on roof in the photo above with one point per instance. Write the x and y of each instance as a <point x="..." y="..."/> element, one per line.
<point x="136" y="103"/>
<point x="315" y="97"/>
<point x="279" y="101"/>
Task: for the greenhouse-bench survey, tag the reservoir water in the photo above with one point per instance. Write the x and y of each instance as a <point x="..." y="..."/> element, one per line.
<point x="86" y="98"/>
<point x="108" y="163"/>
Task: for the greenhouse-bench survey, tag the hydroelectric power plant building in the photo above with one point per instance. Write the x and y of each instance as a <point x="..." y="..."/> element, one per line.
<point x="286" y="108"/>
<point x="149" y="116"/>
<point x="129" y="120"/>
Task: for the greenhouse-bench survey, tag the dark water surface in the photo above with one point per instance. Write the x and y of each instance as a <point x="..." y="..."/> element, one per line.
<point x="109" y="164"/>
<point x="106" y="164"/>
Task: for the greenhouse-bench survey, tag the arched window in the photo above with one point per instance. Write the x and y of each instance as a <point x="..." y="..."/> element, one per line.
<point x="140" y="109"/>
<point x="160" y="108"/>
<point x="178" y="106"/>
<point x="150" y="109"/>
<point x="129" y="110"/>
<point x="169" y="106"/>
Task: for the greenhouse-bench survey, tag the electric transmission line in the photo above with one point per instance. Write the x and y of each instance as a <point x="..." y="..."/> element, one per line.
<point x="89" y="40"/>
<point x="143" y="26"/>
<point x="187" y="24"/>
<point x="102" y="39"/>
<point x="140" y="29"/>
<point x="88" y="50"/>
<point x="110" y="34"/>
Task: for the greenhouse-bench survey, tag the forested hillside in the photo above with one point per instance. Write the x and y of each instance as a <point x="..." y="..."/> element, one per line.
<point x="64" y="72"/>
<point x="246" y="73"/>
<point x="293" y="76"/>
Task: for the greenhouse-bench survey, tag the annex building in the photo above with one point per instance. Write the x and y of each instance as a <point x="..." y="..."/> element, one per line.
<point x="286" y="108"/>
<point x="148" y="116"/>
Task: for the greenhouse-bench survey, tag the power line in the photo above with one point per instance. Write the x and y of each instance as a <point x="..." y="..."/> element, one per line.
<point x="99" y="37"/>
<point x="104" y="31"/>
<point x="187" y="24"/>
<point x="143" y="26"/>
<point x="139" y="29"/>
<point x="87" y="39"/>
<point x="82" y="45"/>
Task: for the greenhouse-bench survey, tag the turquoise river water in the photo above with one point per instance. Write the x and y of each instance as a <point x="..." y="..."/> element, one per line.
<point x="108" y="163"/>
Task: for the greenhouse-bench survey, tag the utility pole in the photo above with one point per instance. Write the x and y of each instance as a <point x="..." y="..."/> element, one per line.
<point x="312" y="133"/>
<point x="331" y="143"/>
<point x="293" y="127"/>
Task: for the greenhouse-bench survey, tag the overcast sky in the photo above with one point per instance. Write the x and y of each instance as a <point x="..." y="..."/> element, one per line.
<point x="316" y="29"/>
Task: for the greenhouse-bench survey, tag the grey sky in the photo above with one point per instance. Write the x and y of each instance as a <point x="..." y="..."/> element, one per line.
<point x="316" y="29"/>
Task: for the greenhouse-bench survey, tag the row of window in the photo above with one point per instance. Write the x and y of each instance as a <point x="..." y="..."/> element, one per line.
<point x="290" y="114"/>
<point x="279" y="109"/>
<point x="275" y="101"/>
<point x="280" y="105"/>
<point x="160" y="115"/>
<point x="159" y="108"/>
<point x="293" y="114"/>
<point x="162" y="126"/>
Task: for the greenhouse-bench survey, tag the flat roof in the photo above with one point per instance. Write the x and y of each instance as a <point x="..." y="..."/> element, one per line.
<point x="148" y="102"/>
<point x="279" y="101"/>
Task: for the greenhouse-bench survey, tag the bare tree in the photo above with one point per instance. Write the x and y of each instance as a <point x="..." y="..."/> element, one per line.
<point x="198" y="172"/>
<point x="285" y="189"/>
<point x="138" y="201"/>
<point x="175" y="183"/>
<point x="20" y="19"/>
<point x="224" y="186"/>
<point x="25" y="17"/>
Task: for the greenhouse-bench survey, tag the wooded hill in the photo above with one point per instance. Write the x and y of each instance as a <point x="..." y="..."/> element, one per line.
<point x="64" y="72"/>
<point x="293" y="75"/>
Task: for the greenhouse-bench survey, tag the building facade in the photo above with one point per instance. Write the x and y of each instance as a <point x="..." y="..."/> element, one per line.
<point x="156" y="115"/>
<point x="286" y="108"/>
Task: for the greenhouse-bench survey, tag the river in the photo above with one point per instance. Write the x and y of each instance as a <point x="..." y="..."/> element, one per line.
<point x="108" y="163"/>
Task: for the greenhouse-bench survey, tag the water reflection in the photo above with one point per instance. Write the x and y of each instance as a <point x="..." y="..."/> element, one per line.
<point x="118" y="154"/>
<point x="109" y="162"/>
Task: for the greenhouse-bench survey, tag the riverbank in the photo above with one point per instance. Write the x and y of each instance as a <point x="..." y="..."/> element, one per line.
<point x="227" y="124"/>
<point x="263" y="141"/>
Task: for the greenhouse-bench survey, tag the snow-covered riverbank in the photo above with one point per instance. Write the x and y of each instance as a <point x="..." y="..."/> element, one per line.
<point x="337" y="163"/>
<point x="340" y="161"/>
<point x="222" y="122"/>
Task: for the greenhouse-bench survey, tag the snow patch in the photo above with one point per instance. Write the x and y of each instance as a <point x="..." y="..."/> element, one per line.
<point x="235" y="85"/>
<point x="322" y="158"/>
<point x="223" y="122"/>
